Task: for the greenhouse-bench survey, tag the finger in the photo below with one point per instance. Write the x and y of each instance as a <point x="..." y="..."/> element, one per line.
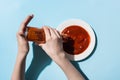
<point x="47" y="32"/>
<point x="57" y="33"/>
<point x="53" y="34"/>
<point x="25" y="23"/>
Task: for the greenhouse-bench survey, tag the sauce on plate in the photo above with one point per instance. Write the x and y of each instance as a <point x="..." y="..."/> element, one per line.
<point x="75" y="39"/>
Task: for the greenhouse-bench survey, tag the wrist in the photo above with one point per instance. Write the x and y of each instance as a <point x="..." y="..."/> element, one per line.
<point x="23" y="49"/>
<point x="60" y="57"/>
<point x="23" y="52"/>
<point x="20" y="59"/>
<point x="22" y="55"/>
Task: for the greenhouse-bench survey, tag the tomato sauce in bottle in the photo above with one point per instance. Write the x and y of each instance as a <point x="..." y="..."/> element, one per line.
<point x="35" y="34"/>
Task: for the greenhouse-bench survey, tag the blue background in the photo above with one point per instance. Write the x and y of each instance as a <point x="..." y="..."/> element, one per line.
<point x="102" y="15"/>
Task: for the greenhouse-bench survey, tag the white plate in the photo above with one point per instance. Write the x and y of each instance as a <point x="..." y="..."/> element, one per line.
<point x="90" y="31"/>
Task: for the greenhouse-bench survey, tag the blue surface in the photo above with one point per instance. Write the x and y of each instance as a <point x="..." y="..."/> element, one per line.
<point x="102" y="15"/>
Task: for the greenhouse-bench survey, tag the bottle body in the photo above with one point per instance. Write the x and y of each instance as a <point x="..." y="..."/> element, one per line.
<point x="35" y="34"/>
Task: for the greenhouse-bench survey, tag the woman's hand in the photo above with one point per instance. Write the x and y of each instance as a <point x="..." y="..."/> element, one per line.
<point x="23" y="46"/>
<point x="53" y="46"/>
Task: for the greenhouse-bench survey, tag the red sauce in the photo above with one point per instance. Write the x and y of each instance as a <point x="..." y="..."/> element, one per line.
<point x="76" y="39"/>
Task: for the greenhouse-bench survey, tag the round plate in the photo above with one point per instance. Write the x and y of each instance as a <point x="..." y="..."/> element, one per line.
<point x="90" y="31"/>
